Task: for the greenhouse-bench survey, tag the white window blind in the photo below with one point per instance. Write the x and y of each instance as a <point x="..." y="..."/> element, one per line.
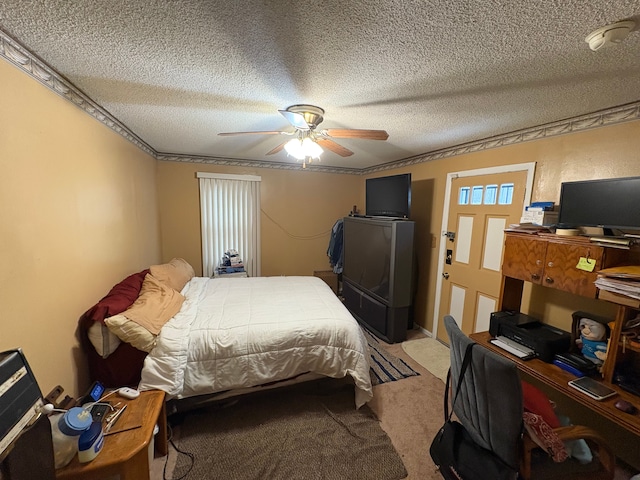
<point x="230" y="219"/>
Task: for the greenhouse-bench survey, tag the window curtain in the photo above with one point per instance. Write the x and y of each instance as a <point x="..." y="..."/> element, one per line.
<point x="230" y="219"/>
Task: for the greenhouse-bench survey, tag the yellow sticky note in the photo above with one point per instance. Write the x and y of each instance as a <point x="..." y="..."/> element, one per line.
<point x="586" y="264"/>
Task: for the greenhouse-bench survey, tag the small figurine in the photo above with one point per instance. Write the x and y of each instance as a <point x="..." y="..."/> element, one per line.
<point x="593" y="336"/>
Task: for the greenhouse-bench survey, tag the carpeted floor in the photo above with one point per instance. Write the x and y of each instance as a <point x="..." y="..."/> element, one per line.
<point x="307" y="432"/>
<point x="409" y="411"/>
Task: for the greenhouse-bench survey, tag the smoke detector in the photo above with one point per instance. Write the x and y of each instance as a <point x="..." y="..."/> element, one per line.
<point x="609" y="35"/>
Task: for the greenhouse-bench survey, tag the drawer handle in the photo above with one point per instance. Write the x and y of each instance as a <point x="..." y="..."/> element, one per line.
<point x="548" y="280"/>
<point x="535" y="276"/>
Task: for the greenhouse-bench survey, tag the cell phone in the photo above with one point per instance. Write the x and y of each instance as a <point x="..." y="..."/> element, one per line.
<point x="99" y="411"/>
<point x="592" y="387"/>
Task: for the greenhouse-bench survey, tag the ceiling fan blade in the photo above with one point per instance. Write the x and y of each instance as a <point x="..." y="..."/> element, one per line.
<point x="227" y="134"/>
<point x="295" y="119"/>
<point x="334" y="147"/>
<point x="356" y="133"/>
<point x="277" y="149"/>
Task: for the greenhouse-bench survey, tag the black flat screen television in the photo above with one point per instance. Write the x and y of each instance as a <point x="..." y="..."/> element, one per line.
<point x="612" y="203"/>
<point x="389" y="196"/>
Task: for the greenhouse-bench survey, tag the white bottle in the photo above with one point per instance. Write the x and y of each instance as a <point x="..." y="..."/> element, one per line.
<point x="65" y="430"/>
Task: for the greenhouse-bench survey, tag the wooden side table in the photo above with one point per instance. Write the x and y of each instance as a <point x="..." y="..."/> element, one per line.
<point x="125" y="450"/>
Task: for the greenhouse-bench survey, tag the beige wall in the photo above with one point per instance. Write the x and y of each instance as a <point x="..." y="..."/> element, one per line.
<point x="605" y="152"/>
<point x="78" y="212"/>
<point x="298" y="207"/>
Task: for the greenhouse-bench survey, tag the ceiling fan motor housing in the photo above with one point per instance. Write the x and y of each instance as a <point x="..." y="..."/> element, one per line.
<point x="312" y="115"/>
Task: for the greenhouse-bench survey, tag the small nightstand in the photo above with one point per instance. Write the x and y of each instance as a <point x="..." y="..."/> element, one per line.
<point x="125" y="450"/>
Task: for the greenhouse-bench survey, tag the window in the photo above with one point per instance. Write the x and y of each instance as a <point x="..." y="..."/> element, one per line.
<point x="476" y="195"/>
<point x="490" y="194"/>
<point x="487" y="195"/>
<point x="506" y="194"/>
<point x="463" y="198"/>
<point x="230" y="219"/>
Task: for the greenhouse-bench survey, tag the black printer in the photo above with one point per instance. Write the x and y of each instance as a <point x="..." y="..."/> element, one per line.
<point x="543" y="339"/>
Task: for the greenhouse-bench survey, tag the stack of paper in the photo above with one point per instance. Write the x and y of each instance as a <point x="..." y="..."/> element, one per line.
<point x="527" y="228"/>
<point x="623" y="280"/>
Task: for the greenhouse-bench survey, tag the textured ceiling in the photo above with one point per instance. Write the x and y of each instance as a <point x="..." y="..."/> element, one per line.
<point x="432" y="73"/>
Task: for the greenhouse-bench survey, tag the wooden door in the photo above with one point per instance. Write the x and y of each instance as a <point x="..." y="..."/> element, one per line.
<point x="476" y="223"/>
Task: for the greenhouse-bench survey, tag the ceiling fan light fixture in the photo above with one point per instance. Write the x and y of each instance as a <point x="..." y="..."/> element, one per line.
<point x="303" y="148"/>
<point x="311" y="148"/>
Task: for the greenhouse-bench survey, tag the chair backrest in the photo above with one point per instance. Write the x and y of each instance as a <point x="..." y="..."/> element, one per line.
<point x="490" y="402"/>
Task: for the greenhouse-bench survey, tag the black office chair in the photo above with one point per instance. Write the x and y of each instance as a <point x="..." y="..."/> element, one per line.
<point x="490" y="406"/>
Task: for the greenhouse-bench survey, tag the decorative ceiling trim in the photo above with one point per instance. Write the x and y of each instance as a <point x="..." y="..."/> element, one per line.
<point x="610" y="116"/>
<point x="35" y="67"/>
<point x="314" y="167"/>
<point x="27" y="61"/>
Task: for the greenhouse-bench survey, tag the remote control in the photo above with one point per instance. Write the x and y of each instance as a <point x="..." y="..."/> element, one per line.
<point x="129" y="393"/>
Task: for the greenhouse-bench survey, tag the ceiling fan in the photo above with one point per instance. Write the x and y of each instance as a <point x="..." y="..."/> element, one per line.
<point x="305" y="119"/>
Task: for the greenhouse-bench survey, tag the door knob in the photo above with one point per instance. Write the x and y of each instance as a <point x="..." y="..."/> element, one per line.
<point x="445" y="275"/>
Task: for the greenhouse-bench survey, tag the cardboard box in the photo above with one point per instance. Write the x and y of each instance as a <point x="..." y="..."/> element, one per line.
<point x="538" y="217"/>
<point x="329" y="278"/>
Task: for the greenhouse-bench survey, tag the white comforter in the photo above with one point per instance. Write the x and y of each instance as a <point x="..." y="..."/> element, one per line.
<point x="242" y="332"/>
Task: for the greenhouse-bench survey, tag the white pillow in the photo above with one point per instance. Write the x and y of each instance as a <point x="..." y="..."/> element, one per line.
<point x="103" y="340"/>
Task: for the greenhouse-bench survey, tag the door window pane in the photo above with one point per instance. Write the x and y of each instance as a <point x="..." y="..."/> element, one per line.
<point x="506" y="194"/>
<point x="476" y="195"/>
<point x="463" y="197"/>
<point x="490" y="194"/>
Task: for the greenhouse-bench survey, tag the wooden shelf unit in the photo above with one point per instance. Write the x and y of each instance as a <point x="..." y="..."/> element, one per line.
<point x="550" y="260"/>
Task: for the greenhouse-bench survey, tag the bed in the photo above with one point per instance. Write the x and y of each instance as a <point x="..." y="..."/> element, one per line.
<point x="191" y="336"/>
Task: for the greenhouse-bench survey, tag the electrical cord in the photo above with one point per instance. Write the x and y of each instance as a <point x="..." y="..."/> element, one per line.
<point x="296" y="237"/>
<point x="178" y="451"/>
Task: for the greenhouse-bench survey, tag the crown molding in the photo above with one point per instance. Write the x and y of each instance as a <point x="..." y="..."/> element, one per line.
<point x="603" y="118"/>
<point x="36" y="68"/>
<point x="314" y="167"/>
<point x="27" y="61"/>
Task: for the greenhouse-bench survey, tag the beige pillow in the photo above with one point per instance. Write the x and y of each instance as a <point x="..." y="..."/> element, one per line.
<point x="176" y="273"/>
<point x="131" y="332"/>
<point x="103" y="340"/>
<point x="155" y="305"/>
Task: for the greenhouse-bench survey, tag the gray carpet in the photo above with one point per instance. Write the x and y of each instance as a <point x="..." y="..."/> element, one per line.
<point x="305" y="432"/>
<point x="385" y="367"/>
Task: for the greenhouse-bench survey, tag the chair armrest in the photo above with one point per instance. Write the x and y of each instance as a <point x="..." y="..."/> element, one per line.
<point x="605" y="454"/>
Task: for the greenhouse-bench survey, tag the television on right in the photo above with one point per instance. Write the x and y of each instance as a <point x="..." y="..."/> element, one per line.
<point x="611" y="204"/>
